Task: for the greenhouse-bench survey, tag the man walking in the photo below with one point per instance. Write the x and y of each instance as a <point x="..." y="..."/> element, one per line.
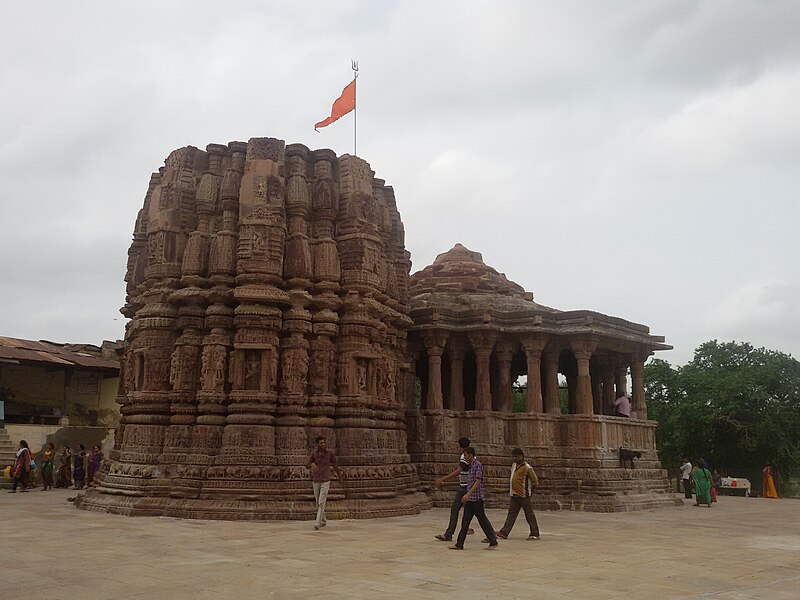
<point x="320" y="463"/>
<point x="461" y="471"/>
<point x="523" y="480"/>
<point x="473" y="503"/>
<point x="686" y="475"/>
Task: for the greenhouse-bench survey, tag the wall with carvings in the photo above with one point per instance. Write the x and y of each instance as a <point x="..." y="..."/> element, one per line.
<point x="267" y="290"/>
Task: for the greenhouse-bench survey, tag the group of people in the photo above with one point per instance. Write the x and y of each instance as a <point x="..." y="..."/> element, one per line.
<point x="470" y="494"/>
<point x="76" y="468"/>
<point x="706" y="482"/>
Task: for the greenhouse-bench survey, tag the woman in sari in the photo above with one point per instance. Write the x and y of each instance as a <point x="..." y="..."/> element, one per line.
<point x="21" y="471"/>
<point x="64" y="476"/>
<point x="702" y="485"/>
<point x="769" y="483"/>
<point x="47" y="467"/>
<point x="95" y="460"/>
<point x="716" y="483"/>
<point x="79" y="469"/>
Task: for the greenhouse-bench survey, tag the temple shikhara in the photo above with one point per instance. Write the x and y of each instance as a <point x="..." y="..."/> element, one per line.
<point x="270" y="301"/>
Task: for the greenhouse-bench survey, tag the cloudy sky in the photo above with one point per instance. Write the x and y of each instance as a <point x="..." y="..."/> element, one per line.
<point x="641" y="159"/>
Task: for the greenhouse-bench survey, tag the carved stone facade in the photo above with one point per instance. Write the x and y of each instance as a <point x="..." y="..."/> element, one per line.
<point x="267" y="288"/>
<point x="475" y="332"/>
<point x="269" y="300"/>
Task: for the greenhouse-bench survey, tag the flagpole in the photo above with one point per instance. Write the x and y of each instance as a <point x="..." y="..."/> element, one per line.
<point x="354" y="66"/>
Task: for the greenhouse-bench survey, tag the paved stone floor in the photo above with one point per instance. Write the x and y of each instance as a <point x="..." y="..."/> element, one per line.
<point x="740" y="548"/>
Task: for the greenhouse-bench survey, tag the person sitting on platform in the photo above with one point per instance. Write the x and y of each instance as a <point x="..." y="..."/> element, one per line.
<point x="622" y="406"/>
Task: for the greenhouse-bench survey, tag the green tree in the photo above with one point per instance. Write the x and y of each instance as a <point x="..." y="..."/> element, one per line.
<point x="735" y="405"/>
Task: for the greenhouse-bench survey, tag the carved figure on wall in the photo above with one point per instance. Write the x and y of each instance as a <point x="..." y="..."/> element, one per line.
<point x="212" y="376"/>
<point x="252" y="369"/>
<point x="361" y="375"/>
<point x="294" y="370"/>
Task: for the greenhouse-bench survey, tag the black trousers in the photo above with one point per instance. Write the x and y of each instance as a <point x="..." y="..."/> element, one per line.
<point x="687" y="488"/>
<point x="475" y="508"/>
<point x="455" y="508"/>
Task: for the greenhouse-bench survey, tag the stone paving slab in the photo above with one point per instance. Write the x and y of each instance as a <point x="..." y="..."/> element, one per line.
<point x="741" y="548"/>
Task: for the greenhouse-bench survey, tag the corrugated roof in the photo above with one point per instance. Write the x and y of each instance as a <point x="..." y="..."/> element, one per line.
<point x="80" y="355"/>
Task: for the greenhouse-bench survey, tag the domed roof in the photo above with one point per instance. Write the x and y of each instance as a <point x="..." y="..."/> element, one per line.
<point x="462" y="271"/>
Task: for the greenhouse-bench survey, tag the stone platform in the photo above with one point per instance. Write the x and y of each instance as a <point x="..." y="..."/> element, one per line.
<point x="742" y="548"/>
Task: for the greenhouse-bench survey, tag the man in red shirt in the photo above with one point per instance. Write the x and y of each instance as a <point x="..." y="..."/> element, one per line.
<point x="320" y="463"/>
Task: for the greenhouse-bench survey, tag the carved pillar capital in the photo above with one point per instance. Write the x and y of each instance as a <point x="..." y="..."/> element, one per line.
<point x="456" y="348"/>
<point x="534" y="344"/>
<point x="435" y="342"/>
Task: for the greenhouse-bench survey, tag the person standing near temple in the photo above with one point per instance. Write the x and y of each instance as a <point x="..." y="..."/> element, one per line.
<point x="320" y="462"/>
<point x="64" y="479"/>
<point x="95" y="460"/>
<point x="523" y="480"/>
<point x="702" y="485"/>
<point x="462" y="472"/>
<point x="686" y="476"/>
<point x="21" y="471"/>
<point x="48" y="457"/>
<point x="768" y="482"/>
<point x="79" y="468"/>
<point x="473" y="503"/>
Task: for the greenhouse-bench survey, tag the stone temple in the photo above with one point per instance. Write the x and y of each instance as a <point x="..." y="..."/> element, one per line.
<point x="270" y="301"/>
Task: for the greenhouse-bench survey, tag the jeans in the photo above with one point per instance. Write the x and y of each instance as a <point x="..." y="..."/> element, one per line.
<point x="513" y="510"/>
<point x="474" y="508"/>
<point x="455" y="508"/>
<point x="321" y="496"/>
<point x="687" y="488"/>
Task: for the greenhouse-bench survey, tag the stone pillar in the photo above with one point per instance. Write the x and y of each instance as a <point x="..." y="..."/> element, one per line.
<point x="533" y="353"/>
<point x="482" y="343"/>
<point x="621" y="379"/>
<point x="456" y="349"/>
<point x="552" y="403"/>
<point x="597" y="390"/>
<point x="583" y="353"/>
<point x="434" y="345"/>
<point x="637" y="385"/>
<point x="608" y="388"/>
<point x="505" y="353"/>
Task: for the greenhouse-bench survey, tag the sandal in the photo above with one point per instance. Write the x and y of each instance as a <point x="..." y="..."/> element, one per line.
<point x="455" y="548"/>
<point x="442" y="538"/>
<point x="491" y="547"/>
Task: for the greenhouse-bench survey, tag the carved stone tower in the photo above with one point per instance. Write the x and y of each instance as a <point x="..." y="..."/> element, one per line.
<point x="267" y="290"/>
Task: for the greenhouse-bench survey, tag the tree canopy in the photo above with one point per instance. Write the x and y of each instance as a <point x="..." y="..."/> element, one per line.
<point x="734" y="405"/>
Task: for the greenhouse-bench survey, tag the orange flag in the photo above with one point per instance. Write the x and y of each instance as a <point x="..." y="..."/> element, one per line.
<point x="341" y="106"/>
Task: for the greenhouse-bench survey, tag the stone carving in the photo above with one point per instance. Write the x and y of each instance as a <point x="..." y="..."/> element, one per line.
<point x="241" y="347"/>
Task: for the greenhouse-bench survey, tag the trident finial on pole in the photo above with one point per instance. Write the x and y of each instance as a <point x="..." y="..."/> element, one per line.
<point x="354" y="66"/>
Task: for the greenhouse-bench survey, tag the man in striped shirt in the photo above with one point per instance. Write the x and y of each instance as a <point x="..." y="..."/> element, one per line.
<point x="473" y="503"/>
<point x="523" y="480"/>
